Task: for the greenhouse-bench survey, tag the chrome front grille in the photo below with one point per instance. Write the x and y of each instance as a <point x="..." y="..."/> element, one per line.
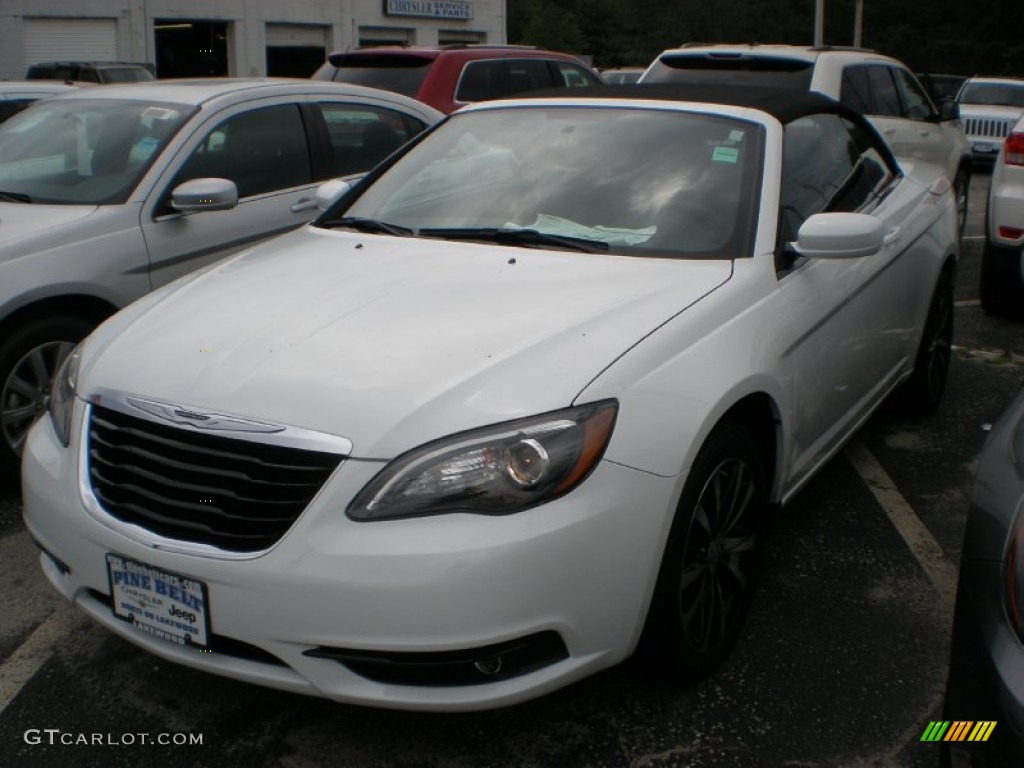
<point x="234" y="494"/>
<point x="988" y="128"/>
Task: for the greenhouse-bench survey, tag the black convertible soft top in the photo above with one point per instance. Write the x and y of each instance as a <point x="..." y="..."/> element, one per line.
<point x="783" y="104"/>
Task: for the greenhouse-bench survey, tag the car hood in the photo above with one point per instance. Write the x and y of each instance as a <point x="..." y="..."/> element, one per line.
<point x="33" y="227"/>
<point x="389" y="341"/>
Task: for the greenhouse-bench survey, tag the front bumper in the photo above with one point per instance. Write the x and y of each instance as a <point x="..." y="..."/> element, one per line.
<point x="581" y="567"/>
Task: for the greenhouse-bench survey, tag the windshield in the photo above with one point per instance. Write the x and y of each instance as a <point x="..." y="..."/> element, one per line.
<point x="83" y="152"/>
<point x="726" y="69"/>
<point x="125" y="75"/>
<point x="996" y="94"/>
<point x="633" y="181"/>
<point x="399" y="74"/>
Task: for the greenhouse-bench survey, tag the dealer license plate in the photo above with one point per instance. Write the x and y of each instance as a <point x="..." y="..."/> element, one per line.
<point x="162" y="604"/>
<point x="981" y="146"/>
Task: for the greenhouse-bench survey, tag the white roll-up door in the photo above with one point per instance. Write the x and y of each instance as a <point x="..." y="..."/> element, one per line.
<point x="296" y="35"/>
<point x="69" y="40"/>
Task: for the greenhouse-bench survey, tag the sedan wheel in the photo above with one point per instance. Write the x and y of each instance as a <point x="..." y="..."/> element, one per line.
<point x="28" y="363"/>
<point x="711" y="561"/>
<point x="923" y="391"/>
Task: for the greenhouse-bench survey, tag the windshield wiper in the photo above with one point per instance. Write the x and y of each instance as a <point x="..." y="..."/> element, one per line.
<point x="371" y="226"/>
<point x="15" y="197"/>
<point x="518" y="237"/>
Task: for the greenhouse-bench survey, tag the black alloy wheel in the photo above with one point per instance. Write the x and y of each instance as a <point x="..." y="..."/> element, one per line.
<point x="712" y="559"/>
<point x="922" y="393"/>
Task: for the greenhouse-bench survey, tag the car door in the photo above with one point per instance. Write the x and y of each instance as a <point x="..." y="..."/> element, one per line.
<point x="264" y="148"/>
<point x="853" y="319"/>
<point x="871" y="90"/>
<point x="928" y="138"/>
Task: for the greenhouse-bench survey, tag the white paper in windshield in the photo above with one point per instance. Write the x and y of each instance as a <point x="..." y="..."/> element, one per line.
<point x="556" y="225"/>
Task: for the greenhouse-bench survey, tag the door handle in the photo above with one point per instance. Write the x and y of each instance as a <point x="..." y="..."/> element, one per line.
<point x="303" y="204"/>
<point x="889" y="131"/>
<point x="892" y="238"/>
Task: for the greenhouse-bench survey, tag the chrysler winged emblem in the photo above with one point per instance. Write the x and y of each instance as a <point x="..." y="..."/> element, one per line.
<point x="180" y="414"/>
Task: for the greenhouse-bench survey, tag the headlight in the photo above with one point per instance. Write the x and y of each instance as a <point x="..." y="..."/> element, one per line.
<point x="495" y="470"/>
<point x="62" y="395"/>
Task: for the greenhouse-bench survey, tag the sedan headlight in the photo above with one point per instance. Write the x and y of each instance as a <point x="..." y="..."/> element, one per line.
<point x="62" y="395"/>
<point x="495" y="470"/>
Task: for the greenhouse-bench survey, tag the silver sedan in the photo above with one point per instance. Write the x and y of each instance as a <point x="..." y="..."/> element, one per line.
<point x="101" y="191"/>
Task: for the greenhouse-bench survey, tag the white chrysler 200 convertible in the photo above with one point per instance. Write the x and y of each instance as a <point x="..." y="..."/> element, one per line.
<point x="515" y="406"/>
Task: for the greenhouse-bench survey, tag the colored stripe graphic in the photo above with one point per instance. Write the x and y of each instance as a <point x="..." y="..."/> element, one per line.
<point x="935" y="731"/>
<point x="982" y="731"/>
<point x="958" y="730"/>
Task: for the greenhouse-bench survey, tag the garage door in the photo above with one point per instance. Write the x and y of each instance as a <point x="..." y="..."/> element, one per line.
<point x="69" y="40"/>
<point x="295" y="50"/>
<point x="296" y="35"/>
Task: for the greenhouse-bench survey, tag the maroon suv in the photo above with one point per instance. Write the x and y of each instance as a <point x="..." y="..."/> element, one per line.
<point x="448" y="77"/>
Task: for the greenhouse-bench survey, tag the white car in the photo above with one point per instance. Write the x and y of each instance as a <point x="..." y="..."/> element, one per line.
<point x="512" y="408"/>
<point x="875" y="85"/>
<point x="101" y="192"/>
<point x="1002" y="262"/>
<point x="989" y="108"/>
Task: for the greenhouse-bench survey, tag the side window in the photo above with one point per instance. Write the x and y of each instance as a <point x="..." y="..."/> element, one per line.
<point x="362" y="135"/>
<point x="481" y="80"/>
<point x="854" y="91"/>
<point x="885" y="99"/>
<point x="523" y="75"/>
<point x="828" y="164"/>
<point x="916" y="104"/>
<point x="572" y="75"/>
<point x="262" y="150"/>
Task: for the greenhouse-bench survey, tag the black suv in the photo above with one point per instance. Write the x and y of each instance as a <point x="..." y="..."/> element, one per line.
<point x="90" y="71"/>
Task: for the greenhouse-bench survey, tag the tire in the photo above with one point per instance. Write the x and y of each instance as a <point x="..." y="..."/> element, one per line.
<point x="922" y="392"/>
<point x="29" y="358"/>
<point x="712" y="560"/>
<point x="962" y="191"/>
<point x="1002" y="288"/>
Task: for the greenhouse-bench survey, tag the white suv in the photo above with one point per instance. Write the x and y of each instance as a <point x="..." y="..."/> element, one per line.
<point x="877" y="86"/>
<point x="1002" y="263"/>
<point x="990" y="106"/>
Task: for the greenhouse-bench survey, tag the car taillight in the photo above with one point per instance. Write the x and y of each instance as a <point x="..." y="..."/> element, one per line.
<point x="1013" y="150"/>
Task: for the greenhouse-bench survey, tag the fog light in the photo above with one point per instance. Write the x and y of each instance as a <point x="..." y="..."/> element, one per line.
<point x="526" y="462"/>
<point x="489" y="667"/>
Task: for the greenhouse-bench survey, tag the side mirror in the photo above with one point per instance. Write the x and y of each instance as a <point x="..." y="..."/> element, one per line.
<point x="328" y="193"/>
<point x="199" y="195"/>
<point x="949" y="109"/>
<point x="839" y="236"/>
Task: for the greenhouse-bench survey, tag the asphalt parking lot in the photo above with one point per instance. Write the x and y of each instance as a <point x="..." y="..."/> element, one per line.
<point x="842" y="662"/>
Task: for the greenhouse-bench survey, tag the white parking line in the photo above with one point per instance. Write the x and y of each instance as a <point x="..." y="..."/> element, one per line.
<point x="940" y="571"/>
<point x="30" y="656"/>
